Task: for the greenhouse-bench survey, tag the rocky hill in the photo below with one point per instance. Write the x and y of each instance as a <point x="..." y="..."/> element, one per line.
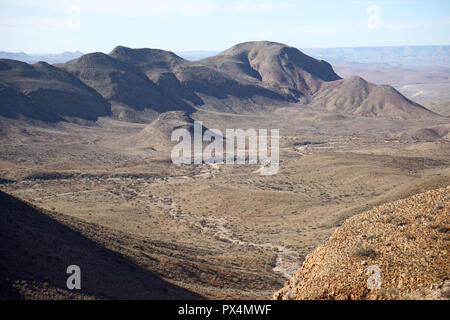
<point x="408" y="240"/>
<point x="44" y="92"/>
<point x="276" y="66"/>
<point x="194" y="82"/>
<point x="356" y="96"/>
<point x="158" y="133"/>
<point x="117" y="82"/>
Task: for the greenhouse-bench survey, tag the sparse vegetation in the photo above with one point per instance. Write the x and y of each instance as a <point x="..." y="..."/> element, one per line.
<point x="363" y="250"/>
<point x="381" y="293"/>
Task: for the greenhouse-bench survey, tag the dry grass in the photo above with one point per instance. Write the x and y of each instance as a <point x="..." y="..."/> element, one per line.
<point x="218" y="232"/>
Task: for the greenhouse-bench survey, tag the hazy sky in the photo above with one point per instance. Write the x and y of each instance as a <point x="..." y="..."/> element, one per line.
<point x="45" y="26"/>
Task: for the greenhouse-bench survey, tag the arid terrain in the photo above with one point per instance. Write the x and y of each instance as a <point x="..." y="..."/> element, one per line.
<point x="104" y="180"/>
<point x="406" y="241"/>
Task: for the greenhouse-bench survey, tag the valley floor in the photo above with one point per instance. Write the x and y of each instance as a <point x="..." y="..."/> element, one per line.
<point x="222" y="231"/>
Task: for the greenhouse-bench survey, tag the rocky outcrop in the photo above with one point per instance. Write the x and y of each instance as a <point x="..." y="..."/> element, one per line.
<point x="407" y="241"/>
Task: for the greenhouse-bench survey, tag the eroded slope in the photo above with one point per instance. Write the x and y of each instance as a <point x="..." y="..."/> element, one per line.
<point x="407" y="239"/>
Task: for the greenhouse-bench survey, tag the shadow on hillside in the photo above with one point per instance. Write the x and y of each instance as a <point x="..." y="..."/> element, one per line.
<point x="38" y="249"/>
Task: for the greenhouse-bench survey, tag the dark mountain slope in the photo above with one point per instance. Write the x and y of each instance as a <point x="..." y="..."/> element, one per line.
<point x="36" y="249"/>
<point x="44" y="92"/>
<point x="123" y="83"/>
<point x="159" y="66"/>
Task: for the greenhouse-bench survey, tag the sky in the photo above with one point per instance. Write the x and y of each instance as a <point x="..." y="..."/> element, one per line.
<point x="54" y="26"/>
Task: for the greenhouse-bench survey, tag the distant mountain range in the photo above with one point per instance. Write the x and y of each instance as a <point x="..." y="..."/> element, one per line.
<point x="33" y="58"/>
<point x="401" y="55"/>
<point x="395" y="55"/>
<point x="248" y="78"/>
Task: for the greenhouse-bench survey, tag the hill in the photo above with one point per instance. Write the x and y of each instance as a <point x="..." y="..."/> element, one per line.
<point x="160" y="67"/>
<point x="157" y="134"/>
<point x="274" y="65"/>
<point x="196" y="82"/>
<point x="356" y="96"/>
<point x="407" y="240"/>
<point x="120" y="83"/>
<point x="44" y="92"/>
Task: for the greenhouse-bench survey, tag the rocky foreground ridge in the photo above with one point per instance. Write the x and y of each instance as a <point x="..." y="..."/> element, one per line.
<point x="408" y="240"/>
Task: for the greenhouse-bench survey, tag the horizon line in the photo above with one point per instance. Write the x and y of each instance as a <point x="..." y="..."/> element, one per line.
<point x="220" y="50"/>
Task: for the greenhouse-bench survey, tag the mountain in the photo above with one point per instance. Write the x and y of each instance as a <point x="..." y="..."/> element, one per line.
<point x="276" y="66"/>
<point x="302" y="78"/>
<point x="134" y="84"/>
<point x="44" y="92"/>
<point x="356" y="96"/>
<point x="121" y="83"/>
<point x="161" y="67"/>
<point x="406" y="240"/>
<point x="195" y="82"/>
